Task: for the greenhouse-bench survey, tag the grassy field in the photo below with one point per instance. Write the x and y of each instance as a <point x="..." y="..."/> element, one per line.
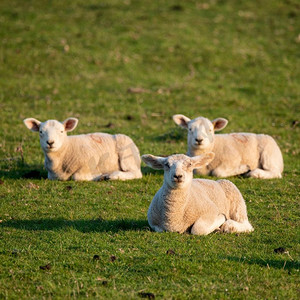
<point x="232" y="59"/>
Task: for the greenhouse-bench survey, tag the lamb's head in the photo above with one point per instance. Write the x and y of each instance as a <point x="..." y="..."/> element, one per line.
<point x="52" y="133"/>
<point x="200" y="130"/>
<point x="178" y="168"/>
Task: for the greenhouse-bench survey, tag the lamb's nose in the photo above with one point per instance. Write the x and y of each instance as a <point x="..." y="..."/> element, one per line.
<point x="199" y="141"/>
<point x="178" y="176"/>
<point x="50" y="143"/>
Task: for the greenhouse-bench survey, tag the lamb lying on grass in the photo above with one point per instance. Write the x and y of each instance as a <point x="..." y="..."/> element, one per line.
<point x="197" y="205"/>
<point x="254" y="155"/>
<point x="94" y="156"/>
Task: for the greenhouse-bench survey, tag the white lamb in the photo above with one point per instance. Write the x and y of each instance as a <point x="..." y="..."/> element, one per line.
<point x="94" y="156"/>
<point x="254" y="155"/>
<point x="199" y="206"/>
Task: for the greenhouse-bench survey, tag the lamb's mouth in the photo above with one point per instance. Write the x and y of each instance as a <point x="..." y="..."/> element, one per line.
<point x="196" y="145"/>
<point x="50" y="148"/>
<point x="178" y="181"/>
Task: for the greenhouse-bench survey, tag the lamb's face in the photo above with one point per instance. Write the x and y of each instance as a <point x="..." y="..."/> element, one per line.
<point x="52" y="133"/>
<point x="200" y="133"/>
<point x="178" y="168"/>
<point x="178" y="171"/>
<point x="200" y="130"/>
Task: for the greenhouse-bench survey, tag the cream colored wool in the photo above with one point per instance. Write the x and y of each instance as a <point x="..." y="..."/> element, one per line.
<point x="94" y="156"/>
<point x="200" y="206"/>
<point x="254" y="155"/>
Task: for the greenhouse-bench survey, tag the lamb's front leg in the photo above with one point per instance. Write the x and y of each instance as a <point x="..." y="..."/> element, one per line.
<point x="204" y="226"/>
<point x="61" y="176"/>
<point x="157" y="228"/>
<point x="52" y="176"/>
<point x="222" y="171"/>
<point x="120" y="175"/>
<point x="83" y="177"/>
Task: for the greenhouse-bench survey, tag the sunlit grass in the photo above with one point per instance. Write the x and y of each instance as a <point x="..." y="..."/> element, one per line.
<point x="79" y="58"/>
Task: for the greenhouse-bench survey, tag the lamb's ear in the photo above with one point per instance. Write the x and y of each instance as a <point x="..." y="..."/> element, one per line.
<point x="32" y="124"/>
<point x="202" y="160"/>
<point x="70" y="124"/>
<point x="155" y="162"/>
<point x="181" y="120"/>
<point x="219" y="123"/>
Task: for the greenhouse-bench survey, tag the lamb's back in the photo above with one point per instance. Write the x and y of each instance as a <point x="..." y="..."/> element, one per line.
<point x="95" y="149"/>
<point x="205" y="193"/>
<point x="243" y="147"/>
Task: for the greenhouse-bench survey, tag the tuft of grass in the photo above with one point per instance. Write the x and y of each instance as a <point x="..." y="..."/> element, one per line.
<point x="128" y="66"/>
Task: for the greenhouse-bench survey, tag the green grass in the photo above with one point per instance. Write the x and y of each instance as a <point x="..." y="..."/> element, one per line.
<point x="232" y="59"/>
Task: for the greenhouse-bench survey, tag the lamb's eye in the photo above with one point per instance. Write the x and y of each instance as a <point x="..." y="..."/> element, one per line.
<point x="41" y="132"/>
<point x="167" y="165"/>
<point x="61" y="132"/>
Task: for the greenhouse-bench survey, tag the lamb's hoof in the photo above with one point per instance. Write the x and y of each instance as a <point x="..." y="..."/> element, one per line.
<point x="247" y="173"/>
<point x="228" y="227"/>
<point x="104" y="177"/>
<point x="255" y="174"/>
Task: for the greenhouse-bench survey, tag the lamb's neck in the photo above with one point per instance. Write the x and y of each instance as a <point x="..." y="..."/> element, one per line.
<point x="175" y="198"/>
<point x="196" y="151"/>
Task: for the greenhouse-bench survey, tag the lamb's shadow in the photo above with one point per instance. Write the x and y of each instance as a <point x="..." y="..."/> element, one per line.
<point x="41" y="173"/>
<point x="22" y="171"/>
<point x="97" y="225"/>
<point x="147" y="170"/>
<point x="282" y="263"/>
<point x="171" y="136"/>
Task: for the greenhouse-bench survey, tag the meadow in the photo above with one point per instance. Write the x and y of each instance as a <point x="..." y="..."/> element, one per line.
<point x="127" y="67"/>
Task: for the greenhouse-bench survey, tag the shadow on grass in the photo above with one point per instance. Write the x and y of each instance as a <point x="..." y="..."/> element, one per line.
<point x="285" y="264"/>
<point x="21" y="170"/>
<point x="147" y="170"/>
<point x="172" y="136"/>
<point x="97" y="225"/>
<point x="40" y="173"/>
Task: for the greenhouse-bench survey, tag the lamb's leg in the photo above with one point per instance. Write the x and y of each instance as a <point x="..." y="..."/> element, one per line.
<point x="83" y="177"/>
<point x="129" y="160"/>
<point x="205" y="226"/>
<point x="233" y="226"/>
<point x="263" y="174"/>
<point x="120" y="175"/>
<point x="238" y="219"/>
<point x="201" y="171"/>
<point x="271" y="161"/>
<point x="52" y="176"/>
<point x="157" y="228"/>
<point x="61" y="176"/>
<point x="226" y="172"/>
